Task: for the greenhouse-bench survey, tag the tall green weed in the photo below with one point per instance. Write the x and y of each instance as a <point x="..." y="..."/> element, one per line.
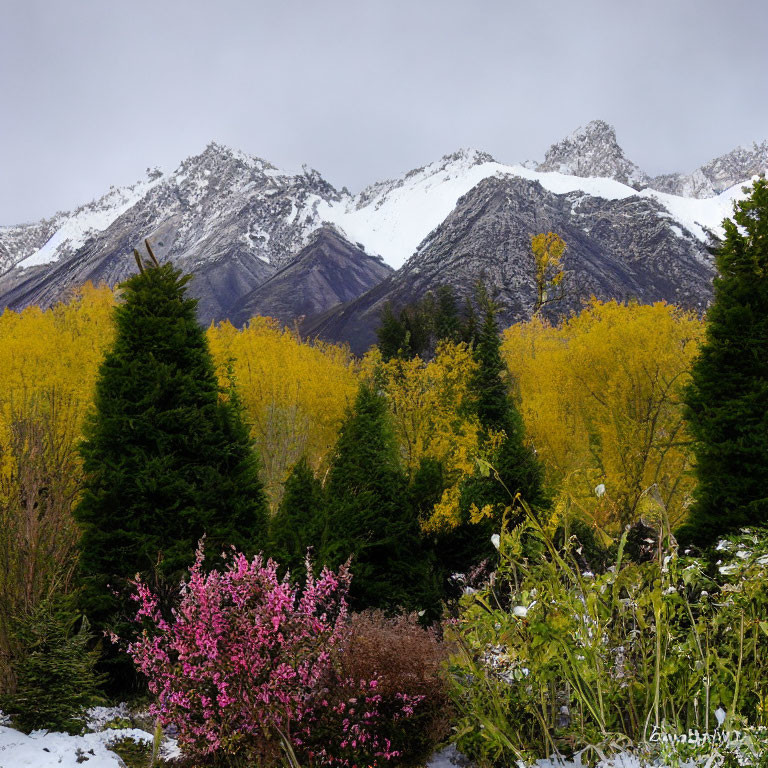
<point x="555" y="659"/>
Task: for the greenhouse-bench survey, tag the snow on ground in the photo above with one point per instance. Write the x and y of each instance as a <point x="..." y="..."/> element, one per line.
<point x="60" y="750"/>
<point x="451" y="758"/>
<point x="43" y="749"/>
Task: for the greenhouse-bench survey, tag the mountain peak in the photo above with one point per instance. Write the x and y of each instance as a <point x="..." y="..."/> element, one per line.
<point x="467" y="156"/>
<point x="216" y="155"/>
<point x="593" y="150"/>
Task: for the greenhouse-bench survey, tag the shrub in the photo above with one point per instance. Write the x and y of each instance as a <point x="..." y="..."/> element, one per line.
<point x="246" y="668"/>
<point x="39" y="481"/>
<point x="54" y="670"/>
<point x="555" y="659"/>
<point x="405" y="658"/>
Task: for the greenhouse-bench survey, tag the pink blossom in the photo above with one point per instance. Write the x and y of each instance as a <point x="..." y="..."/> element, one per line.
<point x="248" y="656"/>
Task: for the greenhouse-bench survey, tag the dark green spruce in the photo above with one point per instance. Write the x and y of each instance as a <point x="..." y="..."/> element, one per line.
<point x="727" y="399"/>
<point x="167" y="459"/>
<point x="369" y="512"/>
<point x="515" y="468"/>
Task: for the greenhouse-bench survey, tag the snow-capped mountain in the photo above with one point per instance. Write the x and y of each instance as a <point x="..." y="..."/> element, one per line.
<point x="235" y="222"/>
<point x="627" y="247"/>
<point x="230" y="219"/>
<point x="717" y="175"/>
<point x="593" y="151"/>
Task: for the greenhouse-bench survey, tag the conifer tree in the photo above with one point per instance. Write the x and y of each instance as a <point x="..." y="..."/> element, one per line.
<point x="468" y="324"/>
<point x="392" y="335"/>
<point x="369" y="514"/>
<point x="299" y="521"/>
<point x="447" y="325"/>
<point x="515" y="468"/>
<point x="166" y="458"/>
<point x="727" y="399"/>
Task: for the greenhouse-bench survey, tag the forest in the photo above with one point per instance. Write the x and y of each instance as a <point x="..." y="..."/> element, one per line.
<point x="546" y="539"/>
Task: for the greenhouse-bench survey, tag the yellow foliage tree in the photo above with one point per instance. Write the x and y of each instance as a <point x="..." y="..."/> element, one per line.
<point x="548" y="250"/>
<point x="294" y="393"/>
<point x="425" y="400"/>
<point x="53" y="356"/>
<point x="600" y="396"/>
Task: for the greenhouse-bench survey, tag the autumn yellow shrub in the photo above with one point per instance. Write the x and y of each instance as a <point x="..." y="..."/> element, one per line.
<point x="600" y="396"/>
<point x="427" y="402"/>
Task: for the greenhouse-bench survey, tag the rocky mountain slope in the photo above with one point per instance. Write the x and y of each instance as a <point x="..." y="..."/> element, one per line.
<point x="626" y="248"/>
<point x="230" y="219"/>
<point x="593" y="151"/>
<point x="328" y="271"/>
<point x="719" y="174"/>
<point x="258" y="239"/>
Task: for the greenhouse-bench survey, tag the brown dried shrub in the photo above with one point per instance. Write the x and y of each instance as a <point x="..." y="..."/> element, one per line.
<point x="407" y="659"/>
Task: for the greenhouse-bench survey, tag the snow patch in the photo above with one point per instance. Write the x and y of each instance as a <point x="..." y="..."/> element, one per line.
<point x="42" y="749"/>
<point x="392" y="219"/>
<point x="87" y="221"/>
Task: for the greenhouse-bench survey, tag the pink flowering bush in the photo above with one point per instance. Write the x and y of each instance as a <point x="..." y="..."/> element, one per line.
<point x="247" y="668"/>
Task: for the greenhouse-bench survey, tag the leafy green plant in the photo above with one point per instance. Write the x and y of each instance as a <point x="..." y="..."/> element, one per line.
<point x="555" y="659"/>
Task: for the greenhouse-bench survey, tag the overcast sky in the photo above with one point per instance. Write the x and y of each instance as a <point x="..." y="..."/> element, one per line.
<point x="92" y="92"/>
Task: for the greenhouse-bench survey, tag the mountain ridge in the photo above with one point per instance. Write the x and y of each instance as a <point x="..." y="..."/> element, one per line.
<point x="235" y="222"/>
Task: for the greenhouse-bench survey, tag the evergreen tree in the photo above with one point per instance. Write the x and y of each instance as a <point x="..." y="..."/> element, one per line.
<point x="426" y="490"/>
<point x="516" y="470"/>
<point x="727" y="399"/>
<point x="54" y="668"/>
<point x="468" y="325"/>
<point x="447" y="324"/>
<point x="391" y="334"/>
<point x="369" y="514"/>
<point x="166" y="459"/>
<point x="417" y="320"/>
<point x="427" y="486"/>
<point x="299" y="522"/>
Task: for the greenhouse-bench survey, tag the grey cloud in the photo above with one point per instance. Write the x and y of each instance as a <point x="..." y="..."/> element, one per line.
<point x="92" y="92"/>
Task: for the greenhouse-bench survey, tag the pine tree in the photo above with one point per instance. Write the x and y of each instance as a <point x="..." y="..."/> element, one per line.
<point x="391" y="334"/>
<point x="299" y="522"/>
<point x="727" y="399"/>
<point x="515" y="468"/>
<point x="166" y="458"/>
<point x="447" y="325"/>
<point x="468" y="324"/>
<point x="369" y="514"/>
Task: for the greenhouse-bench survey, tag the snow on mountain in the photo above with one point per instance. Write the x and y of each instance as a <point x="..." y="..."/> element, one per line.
<point x="593" y="151"/>
<point x="76" y="228"/>
<point x="271" y="213"/>
<point x="392" y="218"/>
<point x="267" y="211"/>
<point x="234" y="221"/>
<point x="20" y="241"/>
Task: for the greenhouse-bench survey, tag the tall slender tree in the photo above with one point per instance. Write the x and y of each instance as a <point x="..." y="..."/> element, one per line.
<point x="447" y="323"/>
<point x="488" y="496"/>
<point x="727" y="399"/>
<point x="167" y="459"/>
<point x="392" y="335"/>
<point x="370" y="516"/>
